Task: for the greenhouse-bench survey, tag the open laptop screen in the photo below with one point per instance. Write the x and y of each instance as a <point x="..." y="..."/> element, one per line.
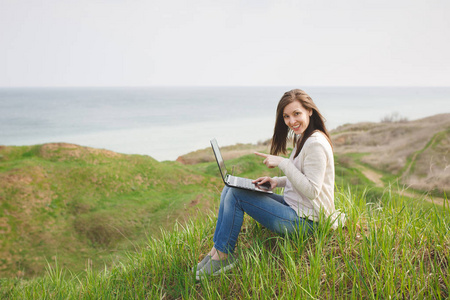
<point x="222" y="168"/>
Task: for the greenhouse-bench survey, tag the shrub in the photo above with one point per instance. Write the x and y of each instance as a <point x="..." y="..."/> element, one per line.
<point x="394" y="118"/>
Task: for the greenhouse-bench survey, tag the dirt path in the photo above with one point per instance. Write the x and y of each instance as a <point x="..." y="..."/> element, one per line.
<point x="375" y="177"/>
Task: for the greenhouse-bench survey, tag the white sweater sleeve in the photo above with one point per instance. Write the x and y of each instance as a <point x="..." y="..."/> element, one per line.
<point x="281" y="181"/>
<point x="309" y="182"/>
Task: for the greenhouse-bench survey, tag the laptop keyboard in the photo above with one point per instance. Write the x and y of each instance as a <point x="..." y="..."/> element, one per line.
<point x="242" y="182"/>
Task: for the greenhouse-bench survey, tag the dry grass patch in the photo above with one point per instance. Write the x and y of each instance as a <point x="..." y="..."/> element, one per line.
<point x="228" y="152"/>
<point x="417" y="151"/>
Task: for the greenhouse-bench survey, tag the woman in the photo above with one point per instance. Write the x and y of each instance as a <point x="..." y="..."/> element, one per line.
<point x="308" y="184"/>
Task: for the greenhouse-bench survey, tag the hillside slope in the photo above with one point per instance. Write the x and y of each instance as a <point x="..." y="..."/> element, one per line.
<point x="79" y="204"/>
<point x="88" y="207"/>
<point x="417" y="152"/>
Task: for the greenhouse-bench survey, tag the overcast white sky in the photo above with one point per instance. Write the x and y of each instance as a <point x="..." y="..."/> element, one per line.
<point x="216" y="42"/>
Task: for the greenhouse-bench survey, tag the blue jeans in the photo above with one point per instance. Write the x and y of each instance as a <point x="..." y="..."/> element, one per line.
<point x="270" y="210"/>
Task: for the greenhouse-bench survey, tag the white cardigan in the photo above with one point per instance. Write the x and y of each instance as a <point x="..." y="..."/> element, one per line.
<point x="309" y="181"/>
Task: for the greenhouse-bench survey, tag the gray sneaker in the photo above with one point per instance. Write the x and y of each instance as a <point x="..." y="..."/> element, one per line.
<point x="215" y="267"/>
<point x="201" y="264"/>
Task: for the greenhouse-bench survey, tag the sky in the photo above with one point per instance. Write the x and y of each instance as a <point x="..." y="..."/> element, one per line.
<point x="53" y="43"/>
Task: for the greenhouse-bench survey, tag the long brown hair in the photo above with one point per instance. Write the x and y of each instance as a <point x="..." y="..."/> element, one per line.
<point x="282" y="132"/>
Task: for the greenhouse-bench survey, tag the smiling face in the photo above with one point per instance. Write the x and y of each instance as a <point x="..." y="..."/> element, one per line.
<point x="296" y="117"/>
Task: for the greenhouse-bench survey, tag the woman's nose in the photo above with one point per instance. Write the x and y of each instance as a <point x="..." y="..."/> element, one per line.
<point x="291" y="121"/>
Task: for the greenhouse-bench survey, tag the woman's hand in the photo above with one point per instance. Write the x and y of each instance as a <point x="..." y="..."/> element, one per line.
<point x="271" y="161"/>
<point x="261" y="180"/>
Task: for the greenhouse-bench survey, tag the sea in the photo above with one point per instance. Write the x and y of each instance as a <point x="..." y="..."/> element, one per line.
<point x="167" y="122"/>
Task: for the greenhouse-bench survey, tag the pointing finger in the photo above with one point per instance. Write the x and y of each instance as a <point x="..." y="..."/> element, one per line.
<point x="262" y="154"/>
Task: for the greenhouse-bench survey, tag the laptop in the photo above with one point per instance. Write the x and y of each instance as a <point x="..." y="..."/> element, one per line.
<point x="230" y="180"/>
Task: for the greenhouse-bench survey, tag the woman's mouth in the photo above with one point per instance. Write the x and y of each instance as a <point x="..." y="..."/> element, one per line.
<point x="295" y="128"/>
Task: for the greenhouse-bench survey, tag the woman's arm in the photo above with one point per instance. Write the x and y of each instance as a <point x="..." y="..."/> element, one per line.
<point x="281" y="181"/>
<point x="309" y="182"/>
<point x="271" y="161"/>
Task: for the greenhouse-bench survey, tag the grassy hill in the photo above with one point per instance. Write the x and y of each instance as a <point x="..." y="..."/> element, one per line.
<point x="81" y="204"/>
<point x="89" y="207"/>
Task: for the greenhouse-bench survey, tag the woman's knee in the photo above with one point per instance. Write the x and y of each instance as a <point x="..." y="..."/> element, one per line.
<point x="231" y="194"/>
<point x="225" y="189"/>
<point x="241" y="193"/>
<point x="224" y="193"/>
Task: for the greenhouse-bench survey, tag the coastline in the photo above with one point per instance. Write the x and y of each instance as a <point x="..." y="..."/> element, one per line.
<point x="168" y="123"/>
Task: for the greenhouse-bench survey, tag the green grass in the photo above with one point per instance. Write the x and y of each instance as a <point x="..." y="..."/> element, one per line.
<point x="396" y="248"/>
<point x="81" y="205"/>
